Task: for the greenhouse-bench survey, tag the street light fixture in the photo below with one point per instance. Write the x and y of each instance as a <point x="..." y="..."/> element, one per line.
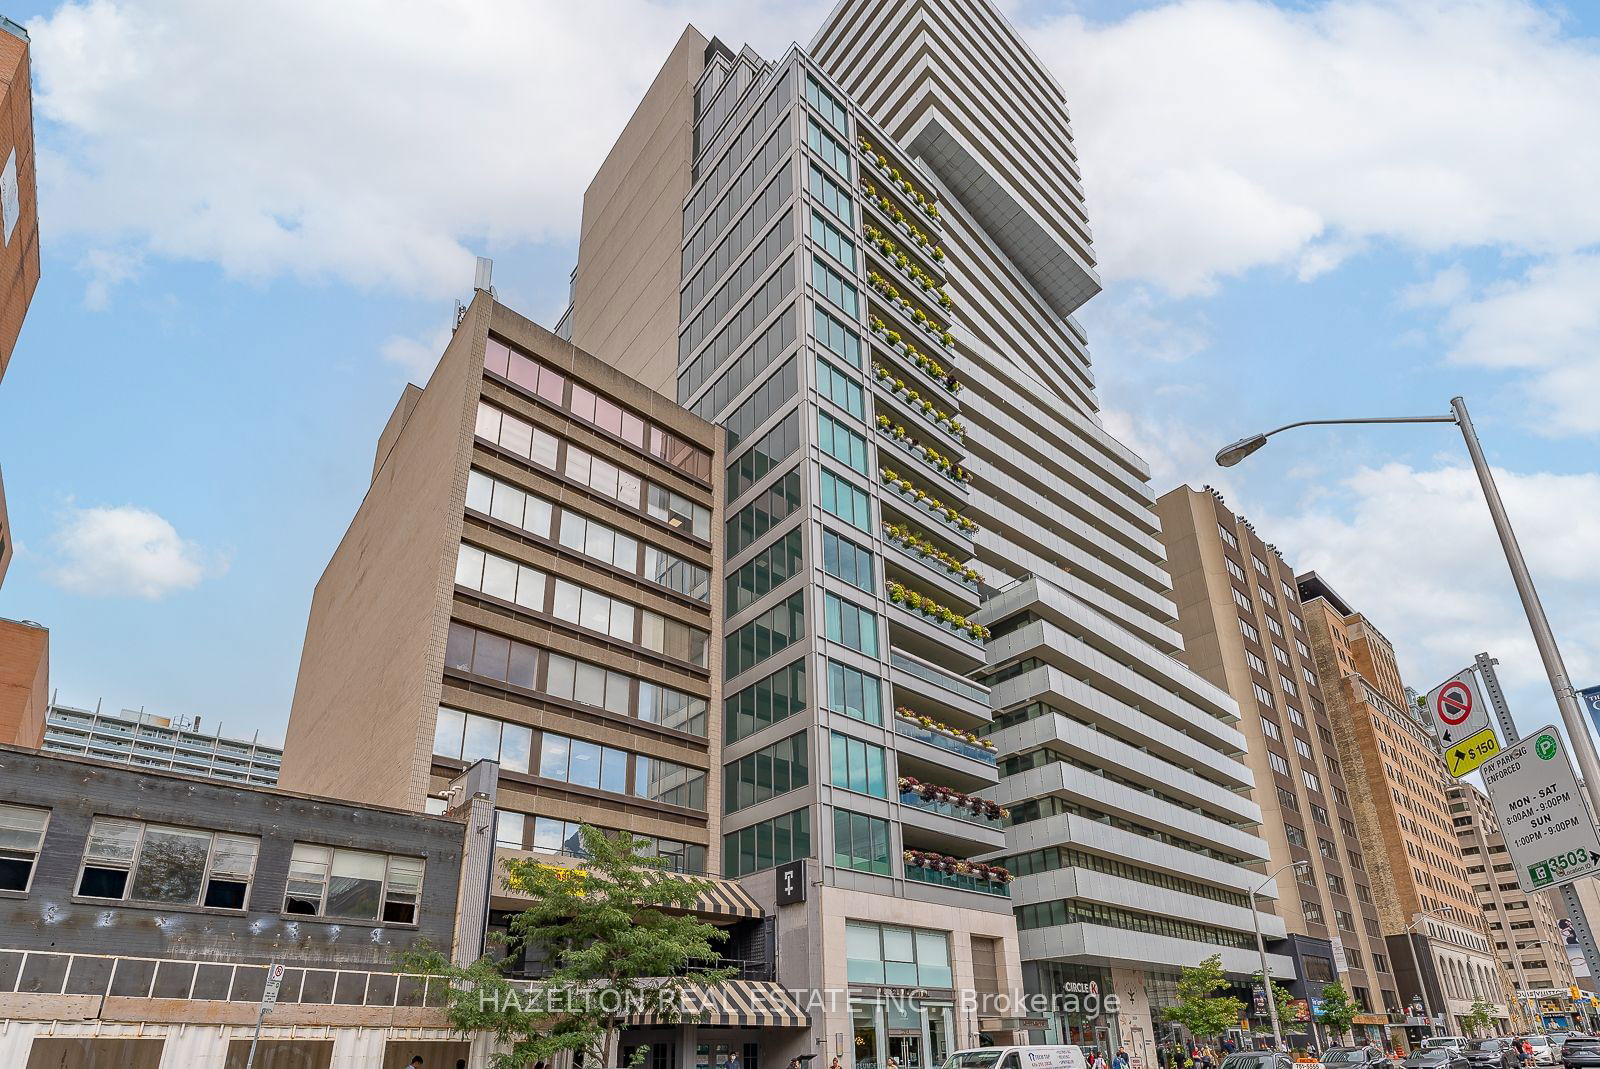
<point x="1544" y="638"/>
<point x="1261" y="948"/>
<point x="1416" y="963"/>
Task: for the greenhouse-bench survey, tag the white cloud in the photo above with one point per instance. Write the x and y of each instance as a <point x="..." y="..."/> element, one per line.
<point x="417" y="356"/>
<point x="1546" y="325"/>
<point x="1415" y="551"/>
<point x="1221" y="135"/>
<point x="126" y="551"/>
<point x="1446" y="287"/>
<point x="348" y="140"/>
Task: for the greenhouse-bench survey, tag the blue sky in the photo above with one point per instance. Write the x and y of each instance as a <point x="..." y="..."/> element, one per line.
<point x="256" y="217"/>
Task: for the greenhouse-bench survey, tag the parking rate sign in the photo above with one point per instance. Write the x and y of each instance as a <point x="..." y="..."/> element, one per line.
<point x="1543" y="817"/>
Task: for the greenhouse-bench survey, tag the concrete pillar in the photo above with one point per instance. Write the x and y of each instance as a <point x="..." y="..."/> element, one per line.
<point x="1135" y="1018"/>
<point x="194" y="1045"/>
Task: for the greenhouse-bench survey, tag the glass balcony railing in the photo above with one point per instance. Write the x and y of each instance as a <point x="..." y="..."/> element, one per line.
<point x="943" y="741"/>
<point x="960" y="883"/>
<point x="950" y="809"/>
<point x="949" y="681"/>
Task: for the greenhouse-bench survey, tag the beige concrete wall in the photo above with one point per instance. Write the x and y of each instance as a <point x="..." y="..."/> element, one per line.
<point x="625" y="291"/>
<point x="24" y="682"/>
<point x="397" y="419"/>
<point x="361" y="725"/>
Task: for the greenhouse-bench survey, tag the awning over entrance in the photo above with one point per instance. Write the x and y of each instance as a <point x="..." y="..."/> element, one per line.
<point x="724" y="898"/>
<point x="736" y="1004"/>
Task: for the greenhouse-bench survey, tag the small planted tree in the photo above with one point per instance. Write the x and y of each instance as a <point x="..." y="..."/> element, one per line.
<point x="1479" y="1018"/>
<point x="611" y="947"/>
<point x="1338" y="1009"/>
<point x="1206" y="1014"/>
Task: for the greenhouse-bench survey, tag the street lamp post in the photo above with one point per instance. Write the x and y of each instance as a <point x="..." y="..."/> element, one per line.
<point x="1543" y="637"/>
<point x="1416" y="963"/>
<point x="1261" y="948"/>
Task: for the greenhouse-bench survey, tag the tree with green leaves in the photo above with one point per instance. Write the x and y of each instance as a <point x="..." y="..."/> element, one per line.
<point x="1284" y="1000"/>
<point x="616" y="938"/>
<point x="1480" y="1018"/>
<point x="1206" y="1014"/>
<point x="1338" y="1009"/>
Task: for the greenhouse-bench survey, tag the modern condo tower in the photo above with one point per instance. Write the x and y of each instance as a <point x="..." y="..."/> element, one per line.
<point x="944" y="577"/>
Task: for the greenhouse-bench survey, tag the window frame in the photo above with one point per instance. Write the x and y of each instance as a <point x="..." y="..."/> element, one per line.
<point x="132" y="867"/>
<point x="8" y="853"/>
<point x="383" y="889"/>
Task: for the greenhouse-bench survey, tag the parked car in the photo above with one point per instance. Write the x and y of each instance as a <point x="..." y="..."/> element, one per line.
<point x="1257" y="1059"/>
<point x="1491" y="1054"/>
<point x="1354" y="1058"/>
<point x="1581" y="1052"/>
<point x="1437" y="1058"/>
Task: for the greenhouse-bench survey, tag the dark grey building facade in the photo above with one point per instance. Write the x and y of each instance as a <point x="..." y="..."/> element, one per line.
<point x="140" y="901"/>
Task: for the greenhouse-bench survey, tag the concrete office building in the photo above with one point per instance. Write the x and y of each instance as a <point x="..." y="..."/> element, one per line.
<point x="531" y="586"/>
<point x="1525" y="928"/>
<point x="1239" y="612"/>
<point x="881" y="240"/>
<point x="151" y="741"/>
<point x="529" y="579"/>
<point x="1439" y="944"/>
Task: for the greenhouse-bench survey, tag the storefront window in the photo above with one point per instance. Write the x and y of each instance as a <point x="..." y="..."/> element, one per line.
<point x="864" y="1021"/>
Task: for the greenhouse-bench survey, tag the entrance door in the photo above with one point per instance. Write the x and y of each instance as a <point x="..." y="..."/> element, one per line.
<point x="905" y="1051"/>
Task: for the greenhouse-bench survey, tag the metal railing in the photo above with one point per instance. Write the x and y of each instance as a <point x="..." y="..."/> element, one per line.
<point x="961" y="883"/>
<point x="950" y="809"/>
<point x="949" y="681"/>
<point x="943" y="741"/>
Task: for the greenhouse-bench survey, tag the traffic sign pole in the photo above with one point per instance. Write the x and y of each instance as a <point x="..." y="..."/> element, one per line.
<point x="1569" y="894"/>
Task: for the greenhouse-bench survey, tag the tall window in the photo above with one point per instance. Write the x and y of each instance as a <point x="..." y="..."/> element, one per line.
<point x="766" y="701"/>
<point x="469" y="737"/>
<point x="825" y="145"/>
<point x="851" y="625"/>
<point x="841" y="389"/>
<point x="763" y="513"/>
<point x="769" y="569"/>
<point x="771" y="842"/>
<point x="21" y="834"/>
<point x="830" y="194"/>
<point x="353" y="885"/>
<point x="837" y="338"/>
<point x="842" y="443"/>
<point x="846" y="560"/>
<point x="129" y="859"/>
<point x="833" y="240"/>
<point x="832" y="285"/>
<point x="855" y="693"/>
<point x="765" y="635"/>
<point x="830" y="109"/>
<point x="583" y="763"/>
<point x="857" y="766"/>
<point x="860" y="842"/>
<point x="766" y="773"/>
<point x="842" y="498"/>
